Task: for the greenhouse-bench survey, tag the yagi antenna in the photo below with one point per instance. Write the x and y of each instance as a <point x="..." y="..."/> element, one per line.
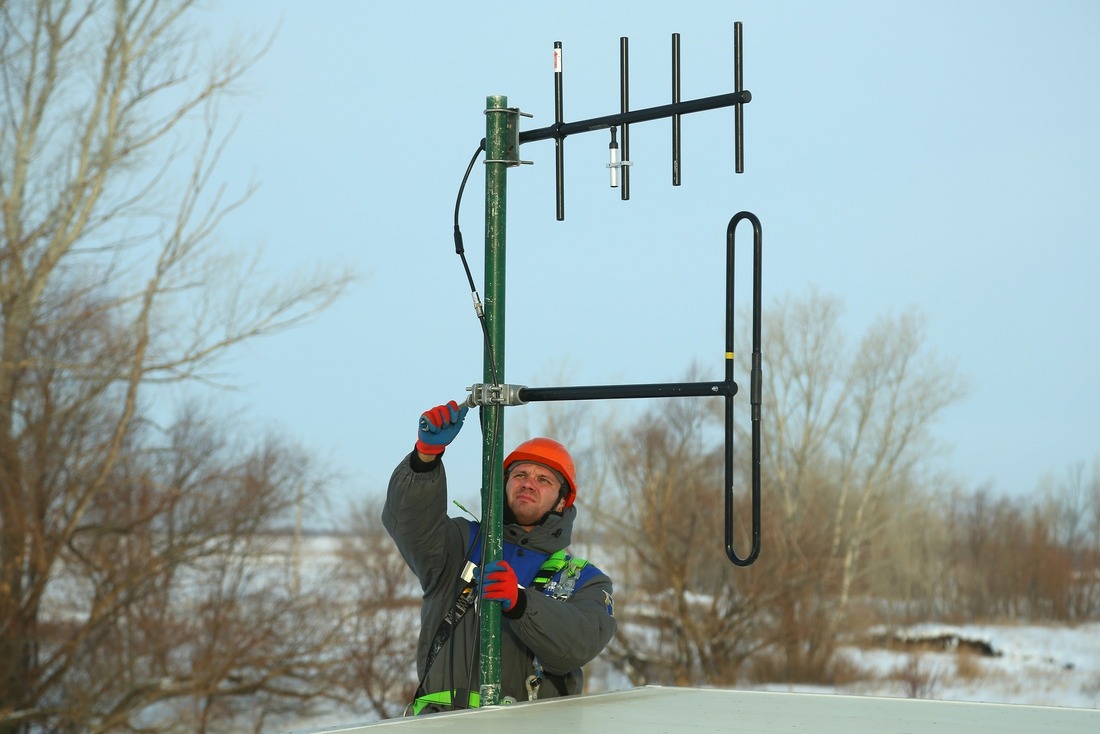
<point x="619" y="124"/>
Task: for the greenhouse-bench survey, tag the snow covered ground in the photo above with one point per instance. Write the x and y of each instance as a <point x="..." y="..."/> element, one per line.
<point x="1033" y="664"/>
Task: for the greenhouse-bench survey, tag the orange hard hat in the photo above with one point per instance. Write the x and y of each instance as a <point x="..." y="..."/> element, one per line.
<point x="550" y="453"/>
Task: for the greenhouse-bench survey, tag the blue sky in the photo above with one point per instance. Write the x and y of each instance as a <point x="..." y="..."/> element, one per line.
<point x="936" y="155"/>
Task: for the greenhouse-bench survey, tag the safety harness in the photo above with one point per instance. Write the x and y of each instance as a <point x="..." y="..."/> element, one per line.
<point x="556" y="577"/>
<point x="563" y="586"/>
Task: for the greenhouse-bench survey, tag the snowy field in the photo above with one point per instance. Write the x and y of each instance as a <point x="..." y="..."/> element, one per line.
<point x="1031" y="664"/>
<point x="1037" y="665"/>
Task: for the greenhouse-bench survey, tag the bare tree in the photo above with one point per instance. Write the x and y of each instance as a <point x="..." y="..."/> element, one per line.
<point x="846" y="450"/>
<point x="846" y="455"/>
<point x="380" y="662"/>
<point x="1021" y="557"/>
<point x="109" y="285"/>
<point x="1070" y="505"/>
<point x="684" y="615"/>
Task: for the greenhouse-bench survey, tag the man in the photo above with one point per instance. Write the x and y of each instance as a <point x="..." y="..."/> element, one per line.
<point x="556" y="611"/>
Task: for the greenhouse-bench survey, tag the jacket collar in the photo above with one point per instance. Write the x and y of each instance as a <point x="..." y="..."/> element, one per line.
<point x="552" y="535"/>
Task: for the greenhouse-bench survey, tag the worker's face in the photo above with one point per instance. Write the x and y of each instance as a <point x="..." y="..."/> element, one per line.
<point x="532" y="491"/>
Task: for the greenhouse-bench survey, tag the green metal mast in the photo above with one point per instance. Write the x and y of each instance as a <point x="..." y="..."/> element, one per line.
<point x="501" y="149"/>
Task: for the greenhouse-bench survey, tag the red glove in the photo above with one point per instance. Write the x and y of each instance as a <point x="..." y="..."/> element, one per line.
<point x="501" y="584"/>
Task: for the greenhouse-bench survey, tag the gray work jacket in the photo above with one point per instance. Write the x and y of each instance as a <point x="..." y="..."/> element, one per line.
<point x="562" y="634"/>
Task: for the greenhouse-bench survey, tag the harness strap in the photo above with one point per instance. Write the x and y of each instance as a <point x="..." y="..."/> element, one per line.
<point x="550" y="566"/>
<point x="444" y="698"/>
<point x="449" y="622"/>
<point x="558" y="561"/>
